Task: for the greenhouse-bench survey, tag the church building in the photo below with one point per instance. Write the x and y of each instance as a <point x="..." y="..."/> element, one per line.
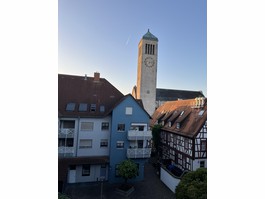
<point x="146" y="90"/>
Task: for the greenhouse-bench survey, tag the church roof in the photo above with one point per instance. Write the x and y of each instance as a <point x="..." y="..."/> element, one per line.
<point x="150" y="36"/>
<point x="170" y="94"/>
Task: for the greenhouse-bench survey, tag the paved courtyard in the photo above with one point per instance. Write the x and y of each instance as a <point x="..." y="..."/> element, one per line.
<point x="151" y="187"/>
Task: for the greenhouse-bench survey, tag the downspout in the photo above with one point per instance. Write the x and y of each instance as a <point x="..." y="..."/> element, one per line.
<point x="77" y="135"/>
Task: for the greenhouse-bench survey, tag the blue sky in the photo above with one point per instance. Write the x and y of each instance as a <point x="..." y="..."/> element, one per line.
<point x="103" y="36"/>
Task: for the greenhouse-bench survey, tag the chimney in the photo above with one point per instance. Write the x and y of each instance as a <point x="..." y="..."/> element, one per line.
<point x="85" y="76"/>
<point x="96" y="76"/>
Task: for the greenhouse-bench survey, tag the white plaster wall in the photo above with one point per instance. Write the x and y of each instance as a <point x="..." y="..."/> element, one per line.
<point x="196" y="163"/>
<point x="94" y="174"/>
<point x="169" y="180"/>
<point x="96" y="135"/>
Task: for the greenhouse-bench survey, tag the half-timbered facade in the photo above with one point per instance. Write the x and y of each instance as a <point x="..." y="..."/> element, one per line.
<point x="183" y="136"/>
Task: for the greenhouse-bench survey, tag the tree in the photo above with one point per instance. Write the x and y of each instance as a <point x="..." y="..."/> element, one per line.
<point x="156" y="135"/>
<point x="193" y="185"/>
<point x="128" y="170"/>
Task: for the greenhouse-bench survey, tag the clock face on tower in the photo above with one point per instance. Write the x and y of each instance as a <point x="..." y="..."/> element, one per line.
<point x="149" y="62"/>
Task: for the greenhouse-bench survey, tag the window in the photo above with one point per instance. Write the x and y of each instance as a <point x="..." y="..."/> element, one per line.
<point x="102" y="109"/>
<point x="117" y="170"/>
<point x="178" y="125"/>
<point x="82" y="107"/>
<point x="120" y="144"/>
<point x="121" y="127"/>
<point x="70" y="107"/>
<point x="103" y="143"/>
<point x="182" y="112"/>
<point x="85" y="143"/>
<point x="203" y="145"/>
<point x="201" y="112"/>
<point x="104" y="126"/>
<point x="128" y="110"/>
<point x="140" y="143"/>
<point x="87" y="126"/>
<point x="86" y="170"/>
<point x="138" y="127"/>
<point x="186" y="143"/>
<point x="66" y="142"/>
<point x="93" y="107"/>
<point x="68" y="124"/>
<point x="202" y="164"/>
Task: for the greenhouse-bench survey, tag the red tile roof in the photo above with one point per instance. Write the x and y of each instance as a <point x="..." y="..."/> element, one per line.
<point x="89" y="90"/>
<point x="190" y="121"/>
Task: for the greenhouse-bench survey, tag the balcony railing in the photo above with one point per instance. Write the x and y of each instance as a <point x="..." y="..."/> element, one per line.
<point x="139" y="153"/>
<point x="66" y="151"/>
<point x="139" y="135"/>
<point x="63" y="133"/>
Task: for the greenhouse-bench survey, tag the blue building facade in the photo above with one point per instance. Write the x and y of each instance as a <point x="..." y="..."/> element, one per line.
<point x="130" y="137"/>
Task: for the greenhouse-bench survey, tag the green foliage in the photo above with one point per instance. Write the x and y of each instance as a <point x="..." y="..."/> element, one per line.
<point x="127" y="169"/>
<point x="193" y="185"/>
<point x="156" y="135"/>
<point x="62" y="196"/>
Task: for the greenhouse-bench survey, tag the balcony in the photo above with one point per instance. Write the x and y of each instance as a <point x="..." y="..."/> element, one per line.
<point x="66" y="133"/>
<point x="139" y="153"/>
<point x="66" y="151"/>
<point x="139" y="135"/>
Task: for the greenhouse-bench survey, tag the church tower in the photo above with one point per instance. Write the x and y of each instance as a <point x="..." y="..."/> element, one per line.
<point x="147" y="72"/>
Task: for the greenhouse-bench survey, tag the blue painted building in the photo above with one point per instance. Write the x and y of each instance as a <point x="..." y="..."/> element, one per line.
<point x="130" y="137"/>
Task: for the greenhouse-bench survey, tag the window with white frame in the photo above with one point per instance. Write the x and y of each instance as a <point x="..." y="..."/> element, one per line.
<point x="128" y="110"/>
<point x="120" y="144"/>
<point x="87" y="126"/>
<point x="85" y="143"/>
<point x="104" y="126"/>
<point x="86" y="170"/>
<point x="103" y="143"/>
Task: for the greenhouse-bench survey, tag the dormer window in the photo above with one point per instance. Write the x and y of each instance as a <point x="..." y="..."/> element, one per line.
<point x="70" y="107"/>
<point x="182" y="112"/>
<point x="178" y="125"/>
<point x="93" y="108"/>
<point x="82" y="107"/>
<point x="169" y="124"/>
<point x="102" y="109"/>
<point x="201" y="112"/>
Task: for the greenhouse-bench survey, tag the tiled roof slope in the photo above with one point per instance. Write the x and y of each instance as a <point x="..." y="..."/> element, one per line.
<point x="170" y="94"/>
<point x="191" y="121"/>
<point x="88" y="90"/>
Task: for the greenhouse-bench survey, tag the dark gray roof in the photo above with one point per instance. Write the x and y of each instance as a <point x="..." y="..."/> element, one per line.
<point x="170" y="94"/>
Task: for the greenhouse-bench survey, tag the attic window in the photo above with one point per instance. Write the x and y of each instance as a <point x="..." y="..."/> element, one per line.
<point x="102" y="108"/>
<point x="201" y="112"/>
<point x="93" y="107"/>
<point x="178" y="125"/>
<point x="82" y="107"/>
<point x="70" y="107"/>
<point x="182" y="112"/>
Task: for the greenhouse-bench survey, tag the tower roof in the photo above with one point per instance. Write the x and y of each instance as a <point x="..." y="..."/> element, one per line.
<point x="150" y="36"/>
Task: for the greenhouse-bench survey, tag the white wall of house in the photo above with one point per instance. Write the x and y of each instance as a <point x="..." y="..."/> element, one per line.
<point x="96" y="135"/>
<point x="197" y="163"/>
<point x="94" y="174"/>
<point x="170" y="181"/>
